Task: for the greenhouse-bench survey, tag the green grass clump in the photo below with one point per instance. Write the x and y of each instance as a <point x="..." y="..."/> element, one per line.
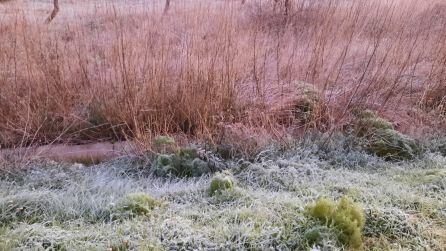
<point x="383" y="140"/>
<point x="391" y="224"/>
<point x="308" y="107"/>
<point x="317" y="234"/>
<point x="139" y="204"/>
<point x="345" y="216"/>
<point x="221" y="182"/>
<point x="392" y="145"/>
<point x="28" y="208"/>
<point x="369" y="120"/>
<point x="436" y="144"/>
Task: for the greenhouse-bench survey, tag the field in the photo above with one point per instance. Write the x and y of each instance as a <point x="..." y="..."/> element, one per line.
<point x="254" y="126"/>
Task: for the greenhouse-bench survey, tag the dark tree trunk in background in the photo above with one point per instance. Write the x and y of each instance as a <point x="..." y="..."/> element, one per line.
<point x="54" y="12"/>
<point x="167" y="6"/>
<point x="287" y="6"/>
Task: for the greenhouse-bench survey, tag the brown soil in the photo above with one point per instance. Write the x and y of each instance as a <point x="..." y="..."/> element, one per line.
<point x="89" y="153"/>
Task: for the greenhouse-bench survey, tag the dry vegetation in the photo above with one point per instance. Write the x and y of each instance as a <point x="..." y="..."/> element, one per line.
<point x="112" y="70"/>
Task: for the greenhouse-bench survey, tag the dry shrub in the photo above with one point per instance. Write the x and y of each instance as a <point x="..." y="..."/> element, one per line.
<point x="243" y="140"/>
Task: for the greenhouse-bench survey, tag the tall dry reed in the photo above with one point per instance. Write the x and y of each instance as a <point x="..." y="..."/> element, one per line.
<point x="117" y="70"/>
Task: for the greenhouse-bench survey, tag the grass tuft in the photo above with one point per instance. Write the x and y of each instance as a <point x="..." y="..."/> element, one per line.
<point x="139" y="204"/>
<point x="383" y="140"/>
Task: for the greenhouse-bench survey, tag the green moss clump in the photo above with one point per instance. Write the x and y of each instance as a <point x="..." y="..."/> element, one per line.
<point x="221" y="182"/>
<point x="185" y="163"/>
<point x="139" y="204"/>
<point x="345" y="216"/>
<point x="383" y="140"/>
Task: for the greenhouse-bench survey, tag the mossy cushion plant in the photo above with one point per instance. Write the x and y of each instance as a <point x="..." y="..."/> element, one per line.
<point x="382" y="139"/>
<point x="345" y="216"/>
<point x="139" y="204"/>
<point x="221" y="182"/>
<point x="184" y="163"/>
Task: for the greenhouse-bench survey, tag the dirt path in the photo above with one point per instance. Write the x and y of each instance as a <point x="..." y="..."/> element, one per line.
<point x="89" y="153"/>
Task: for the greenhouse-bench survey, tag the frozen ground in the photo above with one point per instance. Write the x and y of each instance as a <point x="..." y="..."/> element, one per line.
<point x="73" y="207"/>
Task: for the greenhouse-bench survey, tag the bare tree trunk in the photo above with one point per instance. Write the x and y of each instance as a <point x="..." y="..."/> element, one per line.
<point x="167" y="6"/>
<point x="54" y="12"/>
<point x="287" y="7"/>
<point x="275" y="5"/>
